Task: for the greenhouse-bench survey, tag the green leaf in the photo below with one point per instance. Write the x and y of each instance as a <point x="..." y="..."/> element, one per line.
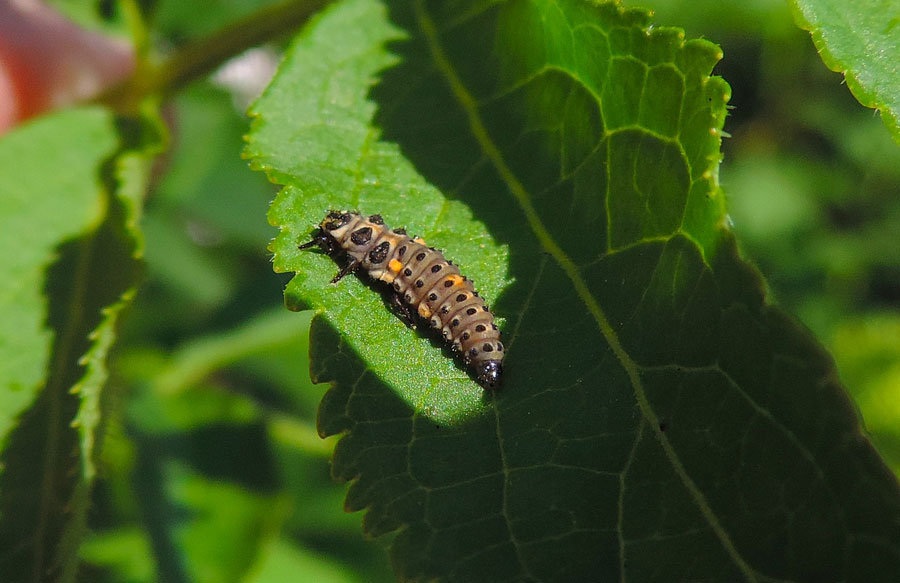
<point x="658" y="421"/>
<point x="870" y="357"/>
<point x="860" y="40"/>
<point x="125" y="551"/>
<point x="279" y="557"/>
<point x="70" y="187"/>
<point x="207" y="504"/>
<point x="203" y="470"/>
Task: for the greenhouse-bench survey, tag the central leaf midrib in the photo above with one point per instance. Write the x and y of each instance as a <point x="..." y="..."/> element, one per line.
<point x="519" y="192"/>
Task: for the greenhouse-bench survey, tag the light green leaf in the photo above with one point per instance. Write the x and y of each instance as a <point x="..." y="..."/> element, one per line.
<point x="658" y="421"/>
<point x="279" y="558"/>
<point x="218" y="539"/>
<point x="125" y="551"/>
<point x="204" y="472"/>
<point x="69" y="270"/>
<point x="862" y="41"/>
<point x="869" y="354"/>
<point x="34" y="226"/>
<point x="206" y="504"/>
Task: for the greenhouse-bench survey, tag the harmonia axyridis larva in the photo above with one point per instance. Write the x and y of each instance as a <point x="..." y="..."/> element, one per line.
<point x="421" y="281"/>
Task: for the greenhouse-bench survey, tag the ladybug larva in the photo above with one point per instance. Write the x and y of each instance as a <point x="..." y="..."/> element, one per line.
<point x="421" y="282"/>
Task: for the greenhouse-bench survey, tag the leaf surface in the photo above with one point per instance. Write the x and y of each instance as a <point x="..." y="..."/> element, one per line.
<point x="658" y="421"/>
<point x="862" y="41"/>
<point x="69" y="269"/>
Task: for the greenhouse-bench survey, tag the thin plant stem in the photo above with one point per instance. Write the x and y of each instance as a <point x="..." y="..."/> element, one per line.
<point x="199" y="58"/>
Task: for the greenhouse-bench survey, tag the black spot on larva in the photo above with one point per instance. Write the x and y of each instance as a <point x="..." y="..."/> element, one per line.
<point x="337" y="219"/>
<point x="471" y="311"/>
<point x="485" y="308"/>
<point x="435" y="322"/>
<point x="448" y="283"/>
<point x="465" y="336"/>
<point x="494" y="326"/>
<point x="420" y="256"/>
<point x="376" y="219"/>
<point x="475" y="293"/>
<point x="461" y="297"/>
<point x="445" y="309"/>
<point x="419" y="283"/>
<point x="361" y="236"/>
<point x="380" y="253"/>
<point x="499" y="347"/>
<point x="487" y="347"/>
<point x="408" y="298"/>
<point x="401" y="251"/>
<point x="407" y="272"/>
<point x="446" y="333"/>
<point x="480" y="328"/>
<point x="400" y="231"/>
<point x="397" y="285"/>
<point x="473" y="352"/>
<point x="454" y="323"/>
<point x="435" y="268"/>
<point x="432" y="297"/>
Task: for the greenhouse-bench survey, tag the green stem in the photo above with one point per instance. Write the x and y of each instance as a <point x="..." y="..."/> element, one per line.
<point x="201" y="57"/>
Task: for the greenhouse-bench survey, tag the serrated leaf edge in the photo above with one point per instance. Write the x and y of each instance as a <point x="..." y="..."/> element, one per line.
<point x="865" y="96"/>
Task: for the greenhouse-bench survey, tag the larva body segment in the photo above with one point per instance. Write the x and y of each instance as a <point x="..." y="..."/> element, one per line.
<point x="423" y="281"/>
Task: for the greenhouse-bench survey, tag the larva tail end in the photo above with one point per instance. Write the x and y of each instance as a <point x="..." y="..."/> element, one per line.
<point x="489" y="374"/>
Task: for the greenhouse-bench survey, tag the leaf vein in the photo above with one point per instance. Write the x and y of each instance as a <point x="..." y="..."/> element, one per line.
<point x="520" y="193"/>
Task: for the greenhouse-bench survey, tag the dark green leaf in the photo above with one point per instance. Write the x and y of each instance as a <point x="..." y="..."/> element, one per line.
<point x="659" y="421"/>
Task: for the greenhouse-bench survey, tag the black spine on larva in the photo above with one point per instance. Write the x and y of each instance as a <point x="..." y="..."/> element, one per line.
<point x="424" y="280"/>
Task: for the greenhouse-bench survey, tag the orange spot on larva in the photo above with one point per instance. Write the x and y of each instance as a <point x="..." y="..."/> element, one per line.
<point x="419" y="240"/>
<point x="424" y="310"/>
<point x="395" y="265"/>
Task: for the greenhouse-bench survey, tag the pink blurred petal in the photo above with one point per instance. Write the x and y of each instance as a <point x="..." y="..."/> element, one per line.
<point x="47" y="61"/>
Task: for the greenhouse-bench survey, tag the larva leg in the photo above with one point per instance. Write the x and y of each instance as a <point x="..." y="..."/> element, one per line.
<point x="324" y="242"/>
<point x="403" y="310"/>
<point x="313" y="243"/>
<point x="350" y="267"/>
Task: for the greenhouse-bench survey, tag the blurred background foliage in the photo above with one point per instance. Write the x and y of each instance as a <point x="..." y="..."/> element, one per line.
<point x="214" y="453"/>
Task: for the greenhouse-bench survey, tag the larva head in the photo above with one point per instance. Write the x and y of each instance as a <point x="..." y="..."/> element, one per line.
<point x="334" y="220"/>
<point x="489" y="373"/>
<point x="334" y="228"/>
<point x="330" y="231"/>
